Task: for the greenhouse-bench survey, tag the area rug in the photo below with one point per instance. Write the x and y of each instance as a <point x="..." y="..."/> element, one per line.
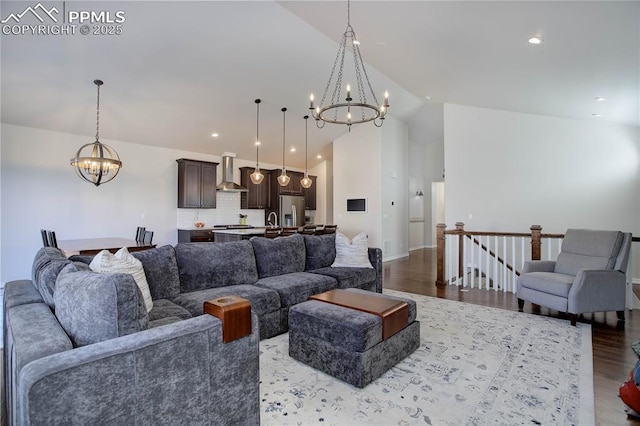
<point x="475" y="366"/>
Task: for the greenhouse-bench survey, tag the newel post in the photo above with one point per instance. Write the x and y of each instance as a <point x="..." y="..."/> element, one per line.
<point x="440" y="250"/>
<point x="460" y="232"/>
<point x="536" y="241"/>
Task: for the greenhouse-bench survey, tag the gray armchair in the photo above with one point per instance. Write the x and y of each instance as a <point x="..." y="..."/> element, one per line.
<point x="589" y="275"/>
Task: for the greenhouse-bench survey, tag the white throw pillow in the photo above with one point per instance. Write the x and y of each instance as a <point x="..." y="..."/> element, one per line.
<point x="123" y="262"/>
<point x="352" y="254"/>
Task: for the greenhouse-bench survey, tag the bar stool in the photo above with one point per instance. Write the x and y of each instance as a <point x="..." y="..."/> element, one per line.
<point x="272" y="232"/>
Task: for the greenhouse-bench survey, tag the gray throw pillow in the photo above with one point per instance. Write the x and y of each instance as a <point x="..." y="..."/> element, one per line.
<point x="321" y="251"/>
<point x="92" y="307"/>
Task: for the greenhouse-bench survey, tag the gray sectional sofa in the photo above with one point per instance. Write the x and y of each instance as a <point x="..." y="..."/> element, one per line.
<point x="81" y="348"/>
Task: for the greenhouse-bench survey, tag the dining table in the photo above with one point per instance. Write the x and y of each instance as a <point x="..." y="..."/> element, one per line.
<point x="96" y="245"/>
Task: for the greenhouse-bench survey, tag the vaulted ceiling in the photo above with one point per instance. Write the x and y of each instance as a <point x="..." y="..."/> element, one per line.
<point x="180" y="71"/>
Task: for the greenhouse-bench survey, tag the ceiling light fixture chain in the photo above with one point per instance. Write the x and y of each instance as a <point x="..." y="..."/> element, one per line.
<point x="338" y="112"/>
<point x="102" y="163"/>
<point x="306" y="181"/>
<point x="257" y="176"/>
<point x="283" y="179"/>
<point x="98" y="83"/>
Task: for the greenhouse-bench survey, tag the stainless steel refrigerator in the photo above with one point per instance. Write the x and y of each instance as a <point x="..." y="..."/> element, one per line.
<point x="291" y="210"/>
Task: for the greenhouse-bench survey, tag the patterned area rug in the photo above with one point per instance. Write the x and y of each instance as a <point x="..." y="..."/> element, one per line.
<point x="475" y="366"/>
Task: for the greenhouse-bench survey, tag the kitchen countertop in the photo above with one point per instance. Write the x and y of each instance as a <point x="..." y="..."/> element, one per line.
<point x="250" y="231"/>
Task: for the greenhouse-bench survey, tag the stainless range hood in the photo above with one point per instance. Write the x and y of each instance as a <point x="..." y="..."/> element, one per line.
<point x="228" y="185"/>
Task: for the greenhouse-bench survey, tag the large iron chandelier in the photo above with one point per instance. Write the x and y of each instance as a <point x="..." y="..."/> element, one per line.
<point x="102" y="163"/>
<point x="365" y="107"/>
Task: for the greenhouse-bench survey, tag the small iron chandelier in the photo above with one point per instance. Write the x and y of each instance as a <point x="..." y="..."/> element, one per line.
<point x="256" y="176"/>
<point x="353" y="111"/>
<point x="306" y="181"/>
<point x="103" y="163"/>
<point x="283" y="179"/>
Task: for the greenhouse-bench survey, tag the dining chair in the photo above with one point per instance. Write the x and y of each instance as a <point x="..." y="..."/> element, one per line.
<point x="148" y="237"/>
<point x="51" y="237"/>
<point x="45" y="239"/>
<point x="289" y="230"/>
<point x="140" y="234"/>
<point x="272" y="232"/>
<point x="330" y="229"/>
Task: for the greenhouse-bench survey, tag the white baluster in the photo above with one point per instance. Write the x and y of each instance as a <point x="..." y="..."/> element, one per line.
<point x="472" y="252"/>
<point x="497" y="284"/>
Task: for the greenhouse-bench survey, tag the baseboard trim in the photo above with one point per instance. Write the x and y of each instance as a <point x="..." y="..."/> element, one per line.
<point x="394" y="257"/>
<point x="421" y="247"/>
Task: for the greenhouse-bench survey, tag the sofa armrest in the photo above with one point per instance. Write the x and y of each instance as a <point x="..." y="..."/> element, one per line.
<point x="31" y="332"/>
<point x="538" y="266"/>
<point x="176" y="373"/>
<point x="375" y="257"/>
<point x="596" y="290"/>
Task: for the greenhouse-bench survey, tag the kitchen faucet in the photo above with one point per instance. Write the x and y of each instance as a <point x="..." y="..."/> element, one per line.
<point x="269" y="219"/>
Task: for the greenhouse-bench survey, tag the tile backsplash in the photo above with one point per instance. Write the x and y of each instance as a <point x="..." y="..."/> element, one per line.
<point x="226" y="213"/>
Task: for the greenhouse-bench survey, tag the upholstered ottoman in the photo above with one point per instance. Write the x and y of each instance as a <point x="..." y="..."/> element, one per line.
<point x="347" y="343"/>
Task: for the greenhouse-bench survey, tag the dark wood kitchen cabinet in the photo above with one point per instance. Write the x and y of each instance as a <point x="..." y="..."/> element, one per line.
<point x="195" y="236"/>
<point x="310" y="194"/>
<point x="294" y="187"/>
<point x="257" y="196"/>
<point x="196" y="184"/>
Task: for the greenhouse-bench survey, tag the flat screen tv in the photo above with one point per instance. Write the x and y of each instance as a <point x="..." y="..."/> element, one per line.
<point x="357" y="205"/>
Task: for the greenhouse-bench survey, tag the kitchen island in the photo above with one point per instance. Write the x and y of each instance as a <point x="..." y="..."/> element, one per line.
<point x="218" y="234"/>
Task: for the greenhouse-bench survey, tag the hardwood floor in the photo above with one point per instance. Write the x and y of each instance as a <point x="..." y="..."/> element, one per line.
<point x="612" y="354"/>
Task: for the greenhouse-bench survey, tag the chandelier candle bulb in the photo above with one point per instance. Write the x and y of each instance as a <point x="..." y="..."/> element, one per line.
<point x="311" y="105"/>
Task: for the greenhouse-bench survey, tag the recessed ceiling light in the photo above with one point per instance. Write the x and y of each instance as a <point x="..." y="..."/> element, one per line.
<point x="596" y="115"/>
<point x="214" y="135"/>
<point x="599" y="99"/>
<point x="535" y="40"/>
<point x="258" y="143"/>
<point x="319" y="156"/>
<point x="292" y="149"/>
<point x="428" y="97"/>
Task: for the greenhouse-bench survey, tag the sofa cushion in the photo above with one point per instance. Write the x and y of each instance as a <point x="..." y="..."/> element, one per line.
<point x="349" y="277"/>
<point x="320" y="251"/>
<point x="213" y="265"/>
<point x="279" y="256"/>
<point x="298" y="286"/>
<point x="262" y="300"/>
<point x="547" y="282"/>
<point x="47" y="264"/>
<point x="163" y="308"/>
<point x="588" y="249"/>
<point x="161" y="269"/>
<point x="92" y="307"/>
<point x="349" y="329"/>
<point x="352" y="253"/>
<point x="122" y="262"/>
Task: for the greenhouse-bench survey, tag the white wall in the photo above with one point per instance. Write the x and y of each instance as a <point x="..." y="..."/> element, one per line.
<point x="40" y="190"/>
<point x="426" y="165"/>
<point x="511" y="170"/>
<point x="395" y="189"/>
<point x="365" y="162"/>
<point x="357" y="173"/>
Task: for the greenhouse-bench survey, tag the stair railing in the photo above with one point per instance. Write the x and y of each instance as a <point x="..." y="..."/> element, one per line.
<point x="489" y="260"/>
